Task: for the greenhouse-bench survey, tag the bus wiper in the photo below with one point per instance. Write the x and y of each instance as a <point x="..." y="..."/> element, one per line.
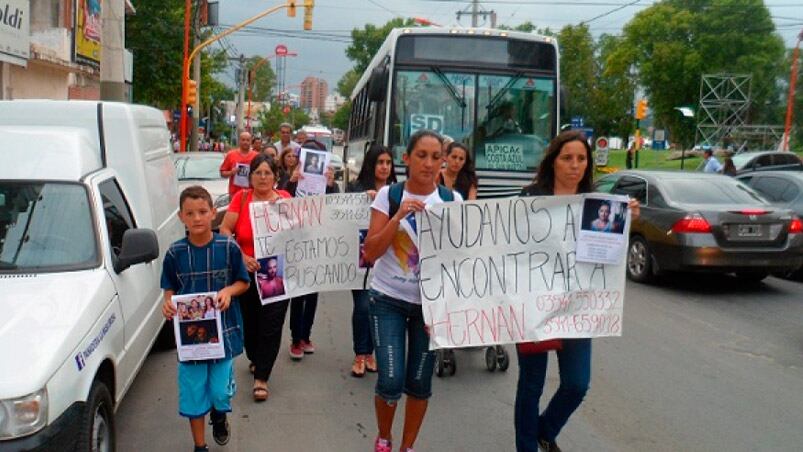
<point x="450" y="87"/>
<point x="499" y="95"/>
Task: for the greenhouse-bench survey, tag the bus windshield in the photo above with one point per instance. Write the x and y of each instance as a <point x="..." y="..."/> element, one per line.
<point x="507" y="120"/>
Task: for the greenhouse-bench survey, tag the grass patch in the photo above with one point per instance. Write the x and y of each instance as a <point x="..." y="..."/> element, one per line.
<point x="650" y="159"/>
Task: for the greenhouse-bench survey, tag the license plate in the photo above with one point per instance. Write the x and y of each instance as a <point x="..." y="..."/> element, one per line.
<point x="749" y="230"/>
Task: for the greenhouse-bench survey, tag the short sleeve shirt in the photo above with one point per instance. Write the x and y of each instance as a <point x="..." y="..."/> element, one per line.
<point x="396" y="272"/>
<point x="293" y="145"/>
<point x="237" y="160"/>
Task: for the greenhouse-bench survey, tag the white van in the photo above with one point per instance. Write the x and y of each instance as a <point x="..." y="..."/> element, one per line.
<point x="88" y="204"/>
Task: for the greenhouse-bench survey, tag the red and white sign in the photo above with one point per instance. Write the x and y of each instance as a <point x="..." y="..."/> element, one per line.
<point x="281" y="50"/>
<point x="601" y="154"/>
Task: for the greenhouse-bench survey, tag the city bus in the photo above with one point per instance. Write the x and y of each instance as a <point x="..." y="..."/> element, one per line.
<point x="496" y="91"/>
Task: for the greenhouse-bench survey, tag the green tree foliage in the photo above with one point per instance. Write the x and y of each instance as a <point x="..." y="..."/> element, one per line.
<point x="271" y="119"/>
<point x="674" y="42"/>
<point x="155" y="35"/>
<point x="341" y="118"/>
<point x="577" y="69"/>
<point x="612" y="95"/>
<point x="347" y="82"/>
<point x="264" y="78"/>
<point x="366" y="42"/>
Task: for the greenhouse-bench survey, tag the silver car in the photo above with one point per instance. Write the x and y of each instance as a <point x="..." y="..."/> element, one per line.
<point x="203" y="168"/>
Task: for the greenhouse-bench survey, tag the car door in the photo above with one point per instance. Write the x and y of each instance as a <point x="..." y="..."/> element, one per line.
<point x="135" y="285"/>
<point x="772" y="188"/>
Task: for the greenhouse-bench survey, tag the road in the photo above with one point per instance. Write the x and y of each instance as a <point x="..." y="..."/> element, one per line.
<point x="698" y="369"/>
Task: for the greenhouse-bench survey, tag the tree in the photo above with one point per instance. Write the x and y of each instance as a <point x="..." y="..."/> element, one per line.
<point x="347" y="82"/>
<point x="674" y="42"/>
<point x="271" y="119"/>
<point x="577" y="69"/>
<point x="264" y="79"/>
<point x="528" y="27"/>
<point x="341" y="118"/>
<point x="612" y="96"/>
<point x="366" y="42"/>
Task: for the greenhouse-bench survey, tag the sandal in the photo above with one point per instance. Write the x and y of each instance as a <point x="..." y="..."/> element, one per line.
<point x="260" y="391"/>
<point x="370" y="363"/>
<point x="358" y="366"/>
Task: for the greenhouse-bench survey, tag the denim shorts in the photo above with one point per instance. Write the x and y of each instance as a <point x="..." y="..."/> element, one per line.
<point x="203" y="385"/>
<point x="395" y="324"/>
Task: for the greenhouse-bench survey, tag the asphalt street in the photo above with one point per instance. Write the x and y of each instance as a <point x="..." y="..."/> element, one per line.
<point x="704" y="364"/>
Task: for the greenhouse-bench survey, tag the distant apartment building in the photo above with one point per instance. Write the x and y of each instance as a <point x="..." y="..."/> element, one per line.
<point x="333" y="102"/>
<point x="65" y="49"/>
<point x="313" y="93"/>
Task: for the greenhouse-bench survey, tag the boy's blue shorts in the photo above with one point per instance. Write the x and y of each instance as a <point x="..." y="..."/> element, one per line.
<point x="203" y="385"/>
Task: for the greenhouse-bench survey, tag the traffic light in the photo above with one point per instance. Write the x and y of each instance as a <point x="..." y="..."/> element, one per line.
<point x="291" y="8"/>
<point x="308" y="5"/>
<point x="641" y="109"/>
<point x="192" y="92"/>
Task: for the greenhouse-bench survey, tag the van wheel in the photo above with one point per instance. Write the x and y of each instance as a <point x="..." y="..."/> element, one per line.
<point x="639" y="260"/>
<point x="97" y="422"/>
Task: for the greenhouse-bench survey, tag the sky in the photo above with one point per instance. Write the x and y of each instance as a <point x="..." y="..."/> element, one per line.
<point x="322" y="52"/>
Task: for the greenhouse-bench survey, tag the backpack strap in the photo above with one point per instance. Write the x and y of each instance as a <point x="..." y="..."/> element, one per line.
<point x="395" y="193"/>
<point x="445" y="193"/>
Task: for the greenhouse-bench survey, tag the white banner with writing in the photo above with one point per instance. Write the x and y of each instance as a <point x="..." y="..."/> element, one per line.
<point x="310" y="244"/>
<point x="505" y="271"/>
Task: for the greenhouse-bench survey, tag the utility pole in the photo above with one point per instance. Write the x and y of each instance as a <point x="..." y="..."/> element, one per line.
<point x="241" y="96"/>
<point x="196" y="75"/>
<point x="475" y="14"/>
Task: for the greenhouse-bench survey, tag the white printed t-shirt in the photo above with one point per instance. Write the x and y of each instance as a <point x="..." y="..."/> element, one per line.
<point x="396" y="272"/>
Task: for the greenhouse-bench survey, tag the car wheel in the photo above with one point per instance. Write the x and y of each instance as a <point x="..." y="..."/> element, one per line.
<point x="97" y="421"/>
<point x="639" y="260"/>
<point x="751" y="277"/>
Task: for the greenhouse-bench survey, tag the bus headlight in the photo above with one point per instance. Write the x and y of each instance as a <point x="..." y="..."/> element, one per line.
<point x="24" y="415"/>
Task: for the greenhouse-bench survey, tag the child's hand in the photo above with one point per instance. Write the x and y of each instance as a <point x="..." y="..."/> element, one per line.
<point x="223" y="298"/>
<point x="251" y="264"/>
<point x="168" y="310"/>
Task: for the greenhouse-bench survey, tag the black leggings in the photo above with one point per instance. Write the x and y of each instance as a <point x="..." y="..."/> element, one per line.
<point x="262" y="328"/>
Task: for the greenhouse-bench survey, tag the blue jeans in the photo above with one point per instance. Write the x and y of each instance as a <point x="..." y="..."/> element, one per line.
<point x="393" y="324"/>
<point x="302" y="314"/>
<point x="361" y="324"/>
<point x="575" y="374"/>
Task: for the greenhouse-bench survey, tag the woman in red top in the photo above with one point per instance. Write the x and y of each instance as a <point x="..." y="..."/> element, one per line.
<point x="262" y="324"/>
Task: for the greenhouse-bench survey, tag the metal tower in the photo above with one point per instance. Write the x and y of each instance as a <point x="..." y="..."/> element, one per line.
<point x="724" y="102"/>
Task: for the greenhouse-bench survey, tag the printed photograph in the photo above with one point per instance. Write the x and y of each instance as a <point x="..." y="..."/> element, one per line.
<point x="363" y="263"/>
<point x="197" y="332"/>
<point x="602" y="215"/>
<point x="270" y="277"/>
<point x="196" y="309"/>
<point x="314" y="162"/>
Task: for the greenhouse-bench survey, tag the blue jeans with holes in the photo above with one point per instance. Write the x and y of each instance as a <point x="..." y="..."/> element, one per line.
<point x="575" y="374"/>
<point x="401" y="345"/>
<point x="361" y="324"/>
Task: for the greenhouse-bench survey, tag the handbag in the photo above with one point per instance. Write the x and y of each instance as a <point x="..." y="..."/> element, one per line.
<point x="532" y="348"/>
<point x="243" y="203"/>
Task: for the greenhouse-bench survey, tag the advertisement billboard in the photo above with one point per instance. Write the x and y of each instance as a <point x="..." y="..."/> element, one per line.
<point x="88" y="31"/>
<point x="15" y="36"/>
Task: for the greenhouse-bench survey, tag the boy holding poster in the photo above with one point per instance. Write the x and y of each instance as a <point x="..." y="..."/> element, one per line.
<point x="206" y="262"/>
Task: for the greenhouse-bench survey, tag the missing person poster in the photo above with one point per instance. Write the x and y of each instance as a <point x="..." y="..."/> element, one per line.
<point x="506" y="271"/>
<point x="313" y="166"/>
<point x="241" y="173"/>
<point x="197" y="327"/>
<point x="311" y="244"/>
<point x="604" y="228"/>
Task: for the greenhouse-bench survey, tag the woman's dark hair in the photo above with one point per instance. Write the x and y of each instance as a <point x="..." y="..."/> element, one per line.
<point x="545" y="177"/>
<point x="467" y="177"/>
<point x="264" y="158"/>
<point x="314" y="144"/>
<point x="367" y="176"/>
<point x="418" y="135"/>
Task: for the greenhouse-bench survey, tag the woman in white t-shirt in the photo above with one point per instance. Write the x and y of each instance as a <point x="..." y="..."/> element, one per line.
<point x="395" y="300"/>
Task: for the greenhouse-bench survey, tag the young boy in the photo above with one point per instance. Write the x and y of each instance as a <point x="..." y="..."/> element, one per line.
<point x="206" y="262"/>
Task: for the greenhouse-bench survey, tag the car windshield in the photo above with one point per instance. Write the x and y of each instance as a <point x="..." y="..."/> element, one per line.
<point x="720" y="190"/>
<point x="45" y="227"/>
<point x="205" y="168"/>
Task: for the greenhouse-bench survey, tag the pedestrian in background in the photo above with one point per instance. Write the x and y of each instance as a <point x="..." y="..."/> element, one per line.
<point x="631" y="152"/>
<point x="459" y="173"/>
<point x="206" y="262"/>
<point x="710" y="163"/>
<point x="271" y="151"/>
<point x="566" y="169"/>
<point x="286" y="139"/>
<point x="728" y="168"/>
<point x="236" y="163"/>
<point x="376" y="172"/>
<point x="263" y="323"/>
<point x="404" y="361"/>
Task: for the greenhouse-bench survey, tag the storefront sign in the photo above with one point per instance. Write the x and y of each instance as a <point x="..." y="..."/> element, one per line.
<point x="15" y="36"/>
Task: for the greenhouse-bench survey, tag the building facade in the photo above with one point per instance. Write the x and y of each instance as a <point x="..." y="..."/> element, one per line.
<point x="313" y="94"/>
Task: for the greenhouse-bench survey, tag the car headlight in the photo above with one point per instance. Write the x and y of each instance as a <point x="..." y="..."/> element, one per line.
<point x="24" y="415"/>
<point x="222" y="201"/>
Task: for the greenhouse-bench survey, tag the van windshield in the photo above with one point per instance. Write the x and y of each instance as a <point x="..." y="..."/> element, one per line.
<point x="45" y="227"/>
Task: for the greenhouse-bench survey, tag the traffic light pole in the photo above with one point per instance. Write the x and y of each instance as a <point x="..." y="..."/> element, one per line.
<point x="185" y="70"/>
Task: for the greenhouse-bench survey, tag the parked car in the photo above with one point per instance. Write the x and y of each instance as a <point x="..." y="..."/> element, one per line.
<point x="203" y="168"/>
<point x="746" y="162"/>
<point x="707" y="223"/>
<point x="783" y="189"/>
<point x="88" y="203"/>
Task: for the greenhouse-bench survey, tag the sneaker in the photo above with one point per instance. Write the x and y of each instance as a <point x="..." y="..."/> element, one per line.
<point x="203" y="448"/>
<point x="308" y="347"/>
<point x="220" y="427"/>
<point x="370" y="363"/>
<point x="548" y="446"/>
<point x="382" y="445"/>
<point x="296" y="351"/>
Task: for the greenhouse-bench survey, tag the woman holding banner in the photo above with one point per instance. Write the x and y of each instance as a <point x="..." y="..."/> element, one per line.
<point x="459" y="173"/>
<point x="376" y="172"/>
<point x="262" y="324"/>
<point x="400" y="338"/>
<point x="566" y="169"/>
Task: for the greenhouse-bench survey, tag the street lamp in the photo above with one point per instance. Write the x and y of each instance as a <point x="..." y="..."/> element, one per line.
<point x="686" y="112"/>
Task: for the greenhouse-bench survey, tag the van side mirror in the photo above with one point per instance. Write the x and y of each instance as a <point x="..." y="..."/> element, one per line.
<point x="378" y="84"/>
<point x="139" y="246"/>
